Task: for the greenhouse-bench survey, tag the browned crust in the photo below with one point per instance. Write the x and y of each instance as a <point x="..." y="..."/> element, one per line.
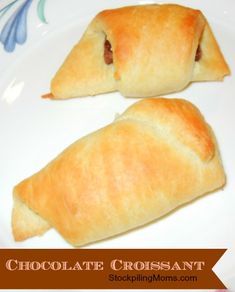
<point x="48" y="95"/>
<point x="159" y="154"/>
<point x="153" y="53"/>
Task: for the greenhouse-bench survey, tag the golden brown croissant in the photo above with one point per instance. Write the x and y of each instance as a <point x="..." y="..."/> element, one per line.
<point x="157" y="155"/>
<point x="141" y="51"/>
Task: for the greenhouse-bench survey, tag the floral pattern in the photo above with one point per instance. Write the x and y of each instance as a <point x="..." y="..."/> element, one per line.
<point x="15" y="29"/>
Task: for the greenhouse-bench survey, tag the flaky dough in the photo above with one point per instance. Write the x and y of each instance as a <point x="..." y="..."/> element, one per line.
<point x="153" y="48"/>
<point x="157" y="155"/>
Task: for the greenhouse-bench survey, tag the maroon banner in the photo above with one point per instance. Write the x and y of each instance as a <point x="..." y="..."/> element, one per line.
<point x="109" y="269"/>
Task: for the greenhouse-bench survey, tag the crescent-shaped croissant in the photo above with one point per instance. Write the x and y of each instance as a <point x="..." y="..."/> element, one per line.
<point x="160" y="153"/>
<point x="141" y="51"/>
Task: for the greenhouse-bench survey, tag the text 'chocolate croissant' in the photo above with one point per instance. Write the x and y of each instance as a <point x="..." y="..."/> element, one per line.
<point x="157" y="155"/>
<point x="141" y="51"/>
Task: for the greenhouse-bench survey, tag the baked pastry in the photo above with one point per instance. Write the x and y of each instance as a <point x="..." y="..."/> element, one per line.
<point x="141" y="51"/>
<point x="157" y="155"/>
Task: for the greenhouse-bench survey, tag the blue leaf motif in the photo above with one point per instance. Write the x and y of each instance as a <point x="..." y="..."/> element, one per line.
<point x="7" y="28"/>
<point x="8" y="34"/>
<point x="9" y="44"/>
<point x="21" y="27"/>
<point x="15" y="30"/>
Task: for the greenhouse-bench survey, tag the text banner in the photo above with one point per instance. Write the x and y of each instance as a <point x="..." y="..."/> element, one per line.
<point x="109" y="268"/>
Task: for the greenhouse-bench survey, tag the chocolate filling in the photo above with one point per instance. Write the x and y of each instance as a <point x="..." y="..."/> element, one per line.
<point x="198" y="54"/>
<point x="108" y="53"/>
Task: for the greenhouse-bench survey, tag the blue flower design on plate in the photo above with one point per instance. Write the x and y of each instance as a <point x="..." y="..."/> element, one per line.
<point x="15" y="29"/>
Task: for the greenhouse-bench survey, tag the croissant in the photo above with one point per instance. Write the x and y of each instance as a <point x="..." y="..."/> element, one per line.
<point x="141" y="51"/>
<point x="160" y="153"/>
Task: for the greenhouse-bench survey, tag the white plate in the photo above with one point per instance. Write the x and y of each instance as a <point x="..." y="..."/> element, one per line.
<point x="34" y="130"/>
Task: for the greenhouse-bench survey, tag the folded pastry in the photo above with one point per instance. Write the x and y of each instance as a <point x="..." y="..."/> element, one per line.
<point x="141" y="51"/>
<point x="157" y="155"/>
